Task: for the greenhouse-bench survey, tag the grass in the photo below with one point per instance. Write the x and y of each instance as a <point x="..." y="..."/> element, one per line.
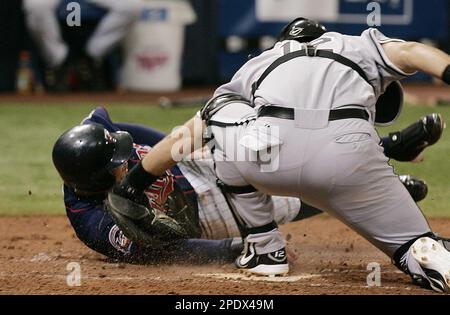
<point x="435" y="169"/>
<point x="30" y="185"/>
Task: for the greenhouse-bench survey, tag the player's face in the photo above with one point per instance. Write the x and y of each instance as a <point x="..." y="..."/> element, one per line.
<point x="120" y="172"/>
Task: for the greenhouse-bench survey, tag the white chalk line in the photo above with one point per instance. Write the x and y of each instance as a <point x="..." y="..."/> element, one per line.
<point x="244" y="277"/>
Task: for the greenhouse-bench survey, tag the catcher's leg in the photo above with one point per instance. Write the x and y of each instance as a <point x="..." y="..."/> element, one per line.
<point x="427" y="260"/>
<point x="417" y="188"/>
<point x="264" y="250"/>
<point x="366" y="195"/>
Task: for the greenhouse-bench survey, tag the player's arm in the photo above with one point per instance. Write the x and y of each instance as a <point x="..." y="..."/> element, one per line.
<point x="174" y="147"/>
<point x="97" y="230"/>
<point x="166" y="154"/>
<point x="413" y="56"/>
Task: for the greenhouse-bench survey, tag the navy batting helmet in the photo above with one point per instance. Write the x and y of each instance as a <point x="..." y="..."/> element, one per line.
<point x="302" y="30"/>
<point x="86" y="155"/>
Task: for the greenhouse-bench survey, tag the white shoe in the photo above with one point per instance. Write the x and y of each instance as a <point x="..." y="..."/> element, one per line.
<point x="435" y="262"/>
<point x="271" y="264"/>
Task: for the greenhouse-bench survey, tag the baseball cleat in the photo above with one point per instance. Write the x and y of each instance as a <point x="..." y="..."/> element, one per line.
<point x="270" y="264"/>
<point x="417" y="188"/>
<point x="435" y="262"/>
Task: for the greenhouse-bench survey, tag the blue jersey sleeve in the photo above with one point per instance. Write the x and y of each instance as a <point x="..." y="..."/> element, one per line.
<point x="95" y="228"/>
<point x="141" y="134"/>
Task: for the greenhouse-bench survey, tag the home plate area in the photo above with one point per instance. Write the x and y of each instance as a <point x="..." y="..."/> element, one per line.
<point x="246" y="277"/>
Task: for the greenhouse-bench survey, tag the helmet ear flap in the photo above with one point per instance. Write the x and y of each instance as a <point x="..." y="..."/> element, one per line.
<point x="99" y="181"/>
<point x="104" y="178"/>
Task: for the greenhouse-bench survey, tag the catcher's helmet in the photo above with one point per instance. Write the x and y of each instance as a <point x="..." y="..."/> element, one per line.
<point x="85" y="157"/>
<point x="302" y="30"/>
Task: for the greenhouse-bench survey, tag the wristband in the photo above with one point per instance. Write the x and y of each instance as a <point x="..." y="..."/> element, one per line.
<point x="139" y="178"/>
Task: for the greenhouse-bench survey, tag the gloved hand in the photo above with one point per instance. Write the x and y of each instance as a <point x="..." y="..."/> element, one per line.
<point x="133" y="185"/>
<point x="408" y="144"/>
<point x="130" y="209"/>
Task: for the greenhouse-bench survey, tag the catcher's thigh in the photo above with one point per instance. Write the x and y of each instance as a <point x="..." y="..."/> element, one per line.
<point x="361" y="189"/>
<point x="342" y="169"/>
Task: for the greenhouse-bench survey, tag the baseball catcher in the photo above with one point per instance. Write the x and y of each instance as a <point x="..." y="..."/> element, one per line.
<point x="192" y="220"/>
<point x="314" y="97"/>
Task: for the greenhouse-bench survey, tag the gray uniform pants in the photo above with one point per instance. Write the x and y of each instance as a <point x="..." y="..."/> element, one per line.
<point x="339" y="168"/>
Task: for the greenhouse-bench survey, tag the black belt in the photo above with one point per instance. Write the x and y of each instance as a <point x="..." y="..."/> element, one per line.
<point x="335" y="114"/>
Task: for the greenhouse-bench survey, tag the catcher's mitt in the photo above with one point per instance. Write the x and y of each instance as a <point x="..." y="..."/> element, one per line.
<point x="145" y="226"/>
<point x="151" y="226"/>
<point x="408" y="144"/>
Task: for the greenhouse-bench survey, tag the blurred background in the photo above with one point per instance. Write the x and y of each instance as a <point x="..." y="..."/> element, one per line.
<point x="165" y="45"/>
<point x="60" y="59"/>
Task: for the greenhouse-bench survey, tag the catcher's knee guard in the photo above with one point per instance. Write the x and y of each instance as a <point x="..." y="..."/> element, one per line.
<point x="427" y="260"/>
<point x="406" y="145"/>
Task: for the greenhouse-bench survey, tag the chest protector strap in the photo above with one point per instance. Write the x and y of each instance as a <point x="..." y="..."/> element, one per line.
<point x="310" y="51"/>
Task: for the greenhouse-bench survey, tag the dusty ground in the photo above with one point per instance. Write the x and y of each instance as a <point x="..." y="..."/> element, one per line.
<point x="35" y="253"/>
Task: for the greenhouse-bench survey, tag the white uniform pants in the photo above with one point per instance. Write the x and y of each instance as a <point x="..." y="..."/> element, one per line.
<point x="339" y="168"/>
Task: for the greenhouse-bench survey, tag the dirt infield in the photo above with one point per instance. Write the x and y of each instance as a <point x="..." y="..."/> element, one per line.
<point x="35" y="253"/>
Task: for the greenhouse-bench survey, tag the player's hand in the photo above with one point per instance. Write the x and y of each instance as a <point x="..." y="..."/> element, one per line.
<point x="126" y="190"/>
<point x="408" y="144"/>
